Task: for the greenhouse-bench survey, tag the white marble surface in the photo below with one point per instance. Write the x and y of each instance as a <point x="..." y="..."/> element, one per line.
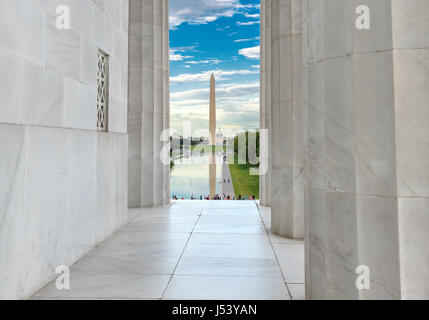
<point x="297" y="291"/>
<point x="350" y="117"/>
<point x="198" y="265"/>
<point x="149" y="105"/>
<point x="410" y="56"/>
<point x="355" y="102"/>
<point x="64" y="186"/>
<point x="110" y="286"/>
<point x="413" y="222"/>
<point x="282" y="114"/>
<point x="291" y="260"/>
<point x="225" y="288"/>
<point x="50" y="213"/>
<point x="26" y="41"/>
<point x="366" y="146"/>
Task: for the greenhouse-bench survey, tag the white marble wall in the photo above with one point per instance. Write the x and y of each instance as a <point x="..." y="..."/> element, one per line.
<point x="364" y="105"/>
<point x="63" y="186"/>
<point x="149" y="105"/>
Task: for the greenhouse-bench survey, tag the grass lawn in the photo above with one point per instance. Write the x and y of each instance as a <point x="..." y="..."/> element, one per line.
<point x="243" y="182"/>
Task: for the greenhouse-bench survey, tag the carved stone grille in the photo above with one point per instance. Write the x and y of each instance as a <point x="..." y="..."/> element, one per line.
<point x="102" y="94"/>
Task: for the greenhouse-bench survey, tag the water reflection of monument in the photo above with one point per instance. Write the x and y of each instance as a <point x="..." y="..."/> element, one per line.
<point x="212" y="138"/>
<point x="212" y="175"/>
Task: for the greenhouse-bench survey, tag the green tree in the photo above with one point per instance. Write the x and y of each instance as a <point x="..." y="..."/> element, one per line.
<point x="248" y="150"/>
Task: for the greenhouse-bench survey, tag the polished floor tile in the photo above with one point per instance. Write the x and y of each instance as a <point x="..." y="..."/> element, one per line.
<point x="165" y="227"/>
<point x="173" y="211"/>
<point x="166" y="219"/>
<point x="192" y="250"/>
<point x="221" y="224"/>
<point x="297" y="291"/>
<point x="266" y="216"/>
<point x="226" y="288"/>
<point x="118" y="249"/>
<point x="218" y="266"/>
<point x="263" y="251"/>
<point x="126" y="265"/>
<point x="84" y="285"/>
<point x="231" y="212"/>
<point x="150" y="237"/>
<point x="229" y="238"/>
<point x="291" y="259"/>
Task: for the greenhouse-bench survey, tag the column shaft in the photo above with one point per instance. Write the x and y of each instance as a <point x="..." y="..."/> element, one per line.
<point x="282" y="114"/>
<point x="358" y="103"/>
<point x="265" y="180"/>
<point x="149" y="96"/>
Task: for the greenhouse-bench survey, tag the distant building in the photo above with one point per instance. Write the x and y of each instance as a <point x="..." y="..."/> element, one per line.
<point x="219" y="137"/>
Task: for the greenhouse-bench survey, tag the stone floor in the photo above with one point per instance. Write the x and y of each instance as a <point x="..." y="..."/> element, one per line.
<point x="192" y="250"/>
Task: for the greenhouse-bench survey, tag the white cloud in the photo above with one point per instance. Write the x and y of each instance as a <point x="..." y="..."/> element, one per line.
<point x="211" y="61"/>
<point x="222" y="91"/>
<point x="249" y="6"/>
<point x="200" y="11"/>
<point x="237" y="106"/>
<point x="249" y="23"/>
<point x="204" y="11"/>
<point x="176" y="56"/>
<point x="194" y="94"/>
<point x="256" y="15"/>
<point x="205" y="76"/>
<point x="246" y="40"/>
<point x="251" y="53"/>
<point x="191" y="48"/>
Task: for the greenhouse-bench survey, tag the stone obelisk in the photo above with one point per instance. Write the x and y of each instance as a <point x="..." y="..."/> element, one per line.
<point x="212" y="127"/>
<point x="212" y="142"/>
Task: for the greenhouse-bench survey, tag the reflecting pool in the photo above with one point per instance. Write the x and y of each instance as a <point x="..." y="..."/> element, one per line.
<point x="196" y="174"/>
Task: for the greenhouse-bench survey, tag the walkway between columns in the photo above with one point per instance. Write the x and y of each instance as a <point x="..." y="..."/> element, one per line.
<point x="227" y="186"/>
<point x="191" y="250"/>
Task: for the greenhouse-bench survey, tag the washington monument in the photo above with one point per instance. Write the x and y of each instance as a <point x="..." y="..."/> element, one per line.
<point x="212" y="126"/>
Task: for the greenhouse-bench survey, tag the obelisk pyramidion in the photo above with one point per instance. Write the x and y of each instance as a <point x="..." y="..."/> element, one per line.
<point x="212" y="127"/>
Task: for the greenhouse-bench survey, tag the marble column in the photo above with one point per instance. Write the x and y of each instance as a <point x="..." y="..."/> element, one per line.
<point x="350" y="197"/>
<point x="410" y="21"/>
<point x="265" y="180"/>
<point x="281" y="113"/>
<point x="367" y="184"/>
<point x="347" y="126"/>
<point x="148" y="102"/>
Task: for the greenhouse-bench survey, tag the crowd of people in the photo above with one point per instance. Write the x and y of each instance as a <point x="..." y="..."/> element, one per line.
<point x="217" y="197"/>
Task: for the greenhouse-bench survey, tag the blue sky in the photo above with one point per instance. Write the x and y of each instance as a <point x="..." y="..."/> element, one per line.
<point x="220" y="36"/>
